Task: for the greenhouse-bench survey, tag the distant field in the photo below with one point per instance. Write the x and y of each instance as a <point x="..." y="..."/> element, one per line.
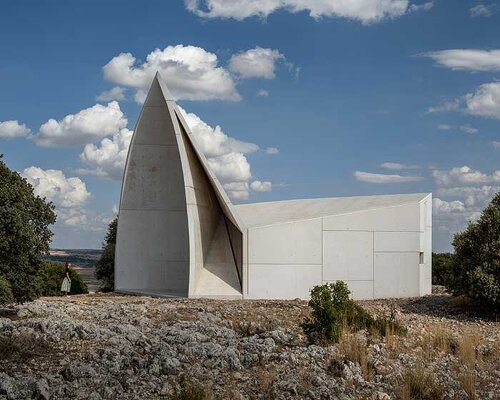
<point x="83" y="258"/>
<point x="83" y="261"/>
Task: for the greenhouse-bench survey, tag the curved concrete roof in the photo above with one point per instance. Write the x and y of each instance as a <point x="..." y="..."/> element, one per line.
<point x="275" y="212"/>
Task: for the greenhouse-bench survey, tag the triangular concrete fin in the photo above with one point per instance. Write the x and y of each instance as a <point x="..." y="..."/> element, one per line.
<point x="171" y="210"/>
<point x="224" y="200"/>
<point x="152" y="250"/>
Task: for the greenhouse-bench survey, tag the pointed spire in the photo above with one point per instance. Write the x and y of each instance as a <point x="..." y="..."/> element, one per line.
<point x="166" y="93"/>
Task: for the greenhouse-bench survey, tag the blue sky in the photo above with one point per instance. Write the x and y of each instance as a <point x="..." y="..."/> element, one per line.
<point x="379" y="96"/>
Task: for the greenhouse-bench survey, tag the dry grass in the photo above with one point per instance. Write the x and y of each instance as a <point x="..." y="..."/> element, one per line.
<point x="252" y="322"/>
<point x="231" y="390"/>
<point x="265" y="377"/>
<point x="467" y="346"/>
<point x="354" y="348"/>
<point x="442" y="339"/>
<point x="23" y="348"/>
<point x="392" y="340"/>
<point x="335" y="367"/>
<point x="418" y="384"/>
<point x="439" y="340"/>
<point x="468" y="383"/>
<point x="192" y="391"/>
<point x="304" y="381"/>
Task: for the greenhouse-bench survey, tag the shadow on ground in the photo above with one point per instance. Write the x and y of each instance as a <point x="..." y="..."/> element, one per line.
<point x="445" y="305"/>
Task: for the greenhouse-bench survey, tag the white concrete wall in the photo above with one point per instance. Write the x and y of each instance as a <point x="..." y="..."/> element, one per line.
<point x="152" y="249"/>
<point x="376" y="252"/>
<point x="284" y="261"/>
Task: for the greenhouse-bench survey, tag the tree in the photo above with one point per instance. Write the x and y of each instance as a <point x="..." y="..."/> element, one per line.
<point x="476" y="263"/>
<point x="105" y="266"/>
<point x="441" y="268"/>
<point x="5" y="292"/>
<point x="24" y="233"/>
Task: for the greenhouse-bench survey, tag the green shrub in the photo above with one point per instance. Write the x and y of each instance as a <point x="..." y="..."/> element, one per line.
<point x="441" y="268"/>
<point x="6" y="296"/>
<point x="54" y="273"/>
<point x="105" y="266"/>
<point x="332" y="310"/>
<point x="475" y="268"/>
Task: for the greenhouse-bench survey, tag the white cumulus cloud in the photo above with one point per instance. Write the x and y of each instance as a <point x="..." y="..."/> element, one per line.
<point x="230" y="167"/>
<point x="443" y="206"/>
<point x="225" y="155"/>
<point x="465" y="175"/>
<point x="259" y="186"/>
<point x="470" y="195"/>
<point x="54" y="186"/>
<point x="236" y="190"/>
<point x="192" y="73"/>
<point x="485" y="101"/>
<point x="385" y="178"/>
<point x="13" y="129"/>
<point x="116" y="93"/>
<point x="459" y="200"/>
<point x="86" y="126"/>
<point x="255" y="63"/>
<point x="108" y="159"/>
<point x="366" y="11"/>
<point x="214" y="142"/>
<point x="69" y="195"/>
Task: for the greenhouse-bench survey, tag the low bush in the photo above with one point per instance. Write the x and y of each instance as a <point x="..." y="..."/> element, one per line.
<point x="441" y="268"/>
<point x="6" y="296"/>
<point x="53" y="275"/>
<point x="333" y="310"/>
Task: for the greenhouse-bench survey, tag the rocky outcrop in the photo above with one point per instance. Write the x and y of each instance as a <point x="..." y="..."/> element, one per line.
<point x="124" y="347"/>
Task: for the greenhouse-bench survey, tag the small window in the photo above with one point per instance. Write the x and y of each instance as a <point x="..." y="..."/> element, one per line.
<point x="421" y="259"/>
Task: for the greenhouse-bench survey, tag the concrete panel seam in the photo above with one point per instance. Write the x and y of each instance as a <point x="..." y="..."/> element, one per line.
<point x="285" y="264"/>
<point x="398" y="251"/>
<point x="368" y="230"/>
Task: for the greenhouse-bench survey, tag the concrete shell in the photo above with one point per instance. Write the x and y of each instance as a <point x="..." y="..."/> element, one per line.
<point x="180" y="235"/>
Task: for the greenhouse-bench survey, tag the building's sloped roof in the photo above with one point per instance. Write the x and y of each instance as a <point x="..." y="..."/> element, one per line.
<point x="275" y="212"/>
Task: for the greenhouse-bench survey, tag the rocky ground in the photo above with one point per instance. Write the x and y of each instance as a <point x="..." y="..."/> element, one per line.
<point x="106" y="346"/>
